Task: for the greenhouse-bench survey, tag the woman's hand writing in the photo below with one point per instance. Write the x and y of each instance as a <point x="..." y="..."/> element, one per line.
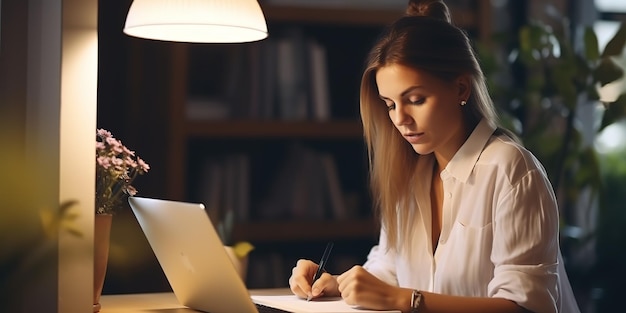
<point x="301" y="281"/>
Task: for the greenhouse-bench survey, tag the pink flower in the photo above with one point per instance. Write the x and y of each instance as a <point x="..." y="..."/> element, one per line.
<point x="144" y="166"/>
<point x="116" y="146"/>
<point x="103" y="133"/>
<point x="130" y="162"/>
<point x="130" y="190"/>
<point x="128" y="151"/>
<point x="103" y="162"/>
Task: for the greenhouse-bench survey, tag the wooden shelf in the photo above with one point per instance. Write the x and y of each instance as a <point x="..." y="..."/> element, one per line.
<point x="350" y="16"/>
<point x="278" y="231"/>
<point x="274" y="129"/>
<point x="330" y="15"/>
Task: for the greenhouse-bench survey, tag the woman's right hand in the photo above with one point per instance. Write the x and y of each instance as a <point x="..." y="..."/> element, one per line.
<point x="302" y="277"/>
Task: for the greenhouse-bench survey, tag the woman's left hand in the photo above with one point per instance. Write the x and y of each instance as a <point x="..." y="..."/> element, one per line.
<point x="360" y="288"/>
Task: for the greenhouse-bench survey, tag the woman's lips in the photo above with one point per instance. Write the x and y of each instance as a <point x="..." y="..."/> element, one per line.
<point x="413" y="138"/>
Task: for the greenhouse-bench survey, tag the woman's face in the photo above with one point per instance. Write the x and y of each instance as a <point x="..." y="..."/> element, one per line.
<point x="425" y="109"/>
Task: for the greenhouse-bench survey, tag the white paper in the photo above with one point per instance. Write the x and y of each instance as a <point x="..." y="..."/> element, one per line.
<point x="297" y="305"/>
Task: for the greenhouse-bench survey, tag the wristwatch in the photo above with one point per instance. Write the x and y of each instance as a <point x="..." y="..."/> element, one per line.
<point x="416" y="299"/>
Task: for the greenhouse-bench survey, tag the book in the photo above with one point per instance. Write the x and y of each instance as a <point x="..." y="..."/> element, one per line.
<point x="335" y="192"/>
<point x="320" y="97"/>
<point x="293" y="76"/>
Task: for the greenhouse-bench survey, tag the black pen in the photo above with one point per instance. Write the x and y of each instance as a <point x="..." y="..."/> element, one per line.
<point x="322" y="264"/>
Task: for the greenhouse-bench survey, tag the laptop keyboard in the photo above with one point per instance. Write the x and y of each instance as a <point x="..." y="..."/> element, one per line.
<point x="266" y="309"/>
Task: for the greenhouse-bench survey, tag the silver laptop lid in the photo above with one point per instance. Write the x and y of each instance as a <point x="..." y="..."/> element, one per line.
<point x="192" y="256"/>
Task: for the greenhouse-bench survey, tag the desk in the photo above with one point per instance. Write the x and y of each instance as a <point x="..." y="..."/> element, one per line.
<point x="164" y="302"/>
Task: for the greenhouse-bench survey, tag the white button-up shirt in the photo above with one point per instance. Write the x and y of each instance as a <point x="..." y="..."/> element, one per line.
<point x="499" y="235"/>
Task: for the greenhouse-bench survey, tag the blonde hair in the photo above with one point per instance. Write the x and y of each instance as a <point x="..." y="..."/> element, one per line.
<point x="424" y="39"/>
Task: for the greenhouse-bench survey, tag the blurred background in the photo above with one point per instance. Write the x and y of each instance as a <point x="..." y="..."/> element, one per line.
<point x="267" y="134"/>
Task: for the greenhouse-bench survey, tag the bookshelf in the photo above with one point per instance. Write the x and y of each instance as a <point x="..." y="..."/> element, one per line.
<point x="274" y="129"/>
<point x="163" y="77"/>
<point x="305" y="231"/>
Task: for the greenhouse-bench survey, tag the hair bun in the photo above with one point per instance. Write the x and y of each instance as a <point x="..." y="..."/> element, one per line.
<point x="429" y="8"/>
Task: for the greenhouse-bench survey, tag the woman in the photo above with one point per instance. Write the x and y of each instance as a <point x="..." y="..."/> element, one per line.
<point x="469" y="219"/>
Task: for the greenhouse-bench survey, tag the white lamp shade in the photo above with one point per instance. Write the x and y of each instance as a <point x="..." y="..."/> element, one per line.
<point x="216" y="21"/>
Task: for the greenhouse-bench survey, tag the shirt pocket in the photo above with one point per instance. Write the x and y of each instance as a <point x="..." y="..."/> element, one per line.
<point x="474" y="217"/>
<point x="470" y="245"/>
<point x="473" y="242"/>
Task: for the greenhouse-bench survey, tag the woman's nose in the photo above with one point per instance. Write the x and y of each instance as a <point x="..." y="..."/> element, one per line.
<point x="400" y="116"/>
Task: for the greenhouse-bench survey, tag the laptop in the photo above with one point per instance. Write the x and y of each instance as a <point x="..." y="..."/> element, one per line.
<point x="198" y="268"/>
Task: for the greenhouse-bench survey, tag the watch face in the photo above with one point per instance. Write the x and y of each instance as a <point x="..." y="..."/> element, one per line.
<point x="416" y="299"/>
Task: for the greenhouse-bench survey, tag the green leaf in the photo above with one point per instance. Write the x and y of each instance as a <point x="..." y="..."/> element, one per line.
<point x="533" y="37"/>
<point x="607" y="72"/>
<point x="529" y="42"/>
<point x="66" y="205"/>
<point x="614" y="112"/>
<point x="562" y="77"/>
<point x="75" y="231"/>
<point x="242" y="249"/>
<point x="525" y="39"/>
<point x="592" y="51"/>
<point x="615" y="46"/>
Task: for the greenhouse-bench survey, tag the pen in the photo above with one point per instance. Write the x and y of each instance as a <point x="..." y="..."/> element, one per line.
<point x="322" y="264"/>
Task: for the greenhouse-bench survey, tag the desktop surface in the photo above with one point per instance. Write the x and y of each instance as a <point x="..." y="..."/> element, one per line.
<point x="164" y="302"/>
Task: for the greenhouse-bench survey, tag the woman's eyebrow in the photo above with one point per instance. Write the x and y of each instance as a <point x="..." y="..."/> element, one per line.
<point x="408" y="90"/>
<point x="404" y="93"/>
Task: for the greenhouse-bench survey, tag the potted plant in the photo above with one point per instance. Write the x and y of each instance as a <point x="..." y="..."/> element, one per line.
<point x="237" y="251"/>
<point x="553" y="83"/>
<point x="116" y="169"/>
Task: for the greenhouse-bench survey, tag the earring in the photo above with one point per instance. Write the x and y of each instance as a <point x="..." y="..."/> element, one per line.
<point x="463" y="102"/>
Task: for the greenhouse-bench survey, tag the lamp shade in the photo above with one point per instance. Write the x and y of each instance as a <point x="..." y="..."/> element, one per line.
<point x="216" y="21"/>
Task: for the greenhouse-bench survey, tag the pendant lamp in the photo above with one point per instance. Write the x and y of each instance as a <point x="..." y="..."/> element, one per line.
<point x="197" y="21"/>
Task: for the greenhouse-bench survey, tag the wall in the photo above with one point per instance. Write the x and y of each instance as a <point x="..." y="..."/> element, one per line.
<point x="48" y="62"/>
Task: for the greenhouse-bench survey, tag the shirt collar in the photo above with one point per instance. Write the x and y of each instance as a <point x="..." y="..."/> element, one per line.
<point x="464" y="160"/>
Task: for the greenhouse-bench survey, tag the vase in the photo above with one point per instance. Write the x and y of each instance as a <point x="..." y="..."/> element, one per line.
<point x="101" y="243"/>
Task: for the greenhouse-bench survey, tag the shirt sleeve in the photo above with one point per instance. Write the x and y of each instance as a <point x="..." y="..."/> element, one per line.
<point x="525" y="245"/>
<point x="380" y="261"/>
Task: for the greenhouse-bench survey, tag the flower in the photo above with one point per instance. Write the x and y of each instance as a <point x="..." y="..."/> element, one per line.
<point x="116" y="168"/>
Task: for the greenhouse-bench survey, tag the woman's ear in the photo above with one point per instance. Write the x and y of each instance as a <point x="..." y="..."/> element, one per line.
<point x="464" y="87"/>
